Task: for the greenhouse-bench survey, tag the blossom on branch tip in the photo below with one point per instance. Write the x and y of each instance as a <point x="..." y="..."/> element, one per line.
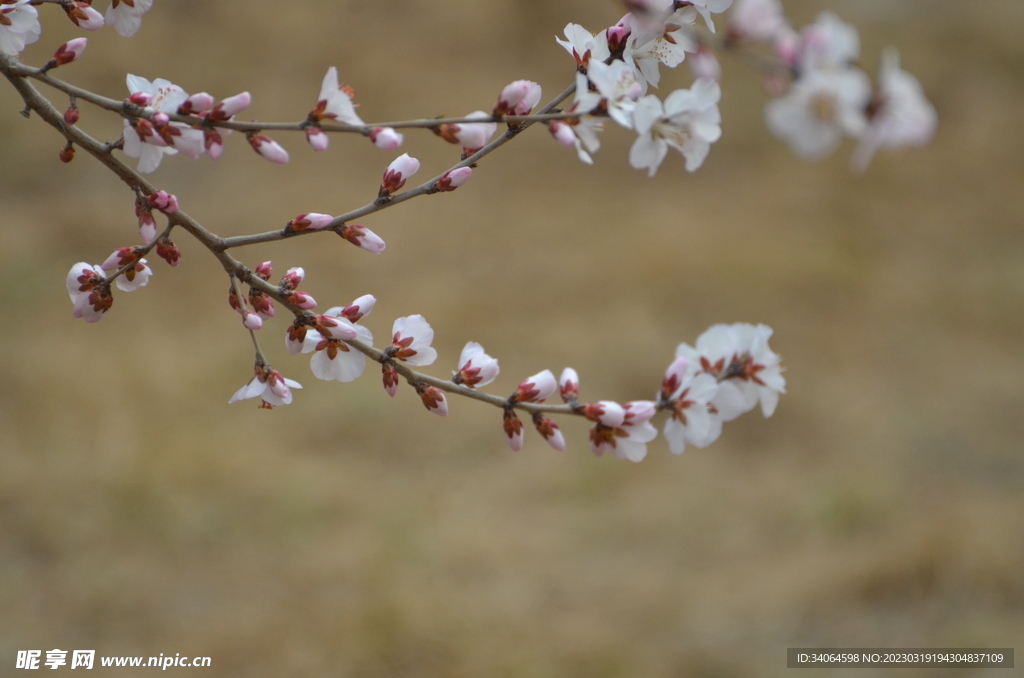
<point x="126" y="15"/>
<point x="433" y="398"/>
<point x="19" y="26"/>
<point x="268" y="148"/>
<point x="83" y="15"/>
<point x="360" y="236"/>
<point x="397" y="173"/>
<point x="476" y="368"/>
<point x="535" y="389"/>
<point x="386" y="138"/>
<point x="310" y="221"/>
<point x="70" y="51"/>
<point x="270" y="386"/>
<point x="452" y="179"/>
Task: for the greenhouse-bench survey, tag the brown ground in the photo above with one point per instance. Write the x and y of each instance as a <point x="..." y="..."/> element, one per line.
<point x="352" y="535"/>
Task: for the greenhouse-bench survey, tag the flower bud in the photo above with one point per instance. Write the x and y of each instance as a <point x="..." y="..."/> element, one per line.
<point x="231" y="106"/>
<point x="213" y="142"/>
<point x="386" y="138"/>
<point x="549" y="429"/>
<point x="562" y="132"/>
<point x="359" y="308"/>
<point x="84" y="16"/>
<point x="400" y="169"/>
<point x="69" y="51"/>
<point x="163" y="201"/>
<point x="569" y="385"/>
<point x="537" y="388"/>
<point x="197" y="103"/>
<point x="360" y="236"/>
<point x="317" y="138"/>
<point x="310" y="221"/>
<point x="265" y="270"/>
<point x="67" y="154"/>
<point x="268" y="148"/>
<point x="390" y="378"/>
<point x="513" y="427"/>
<point x="71" y="115"/>
<point x="252" y="321"/>
<point x="141" y="99"/>
<point x="452" y="179"/>
<point x="605" y="412"/>
<point x="433" y="399"/>
<point x="160" y="119"/>
<point x="168" y="251"/>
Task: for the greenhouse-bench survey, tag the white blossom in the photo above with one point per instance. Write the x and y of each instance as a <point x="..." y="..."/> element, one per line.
<point x="689" y="121"/>
<point x="126" y="15"/>
<point x="19" y="26"/>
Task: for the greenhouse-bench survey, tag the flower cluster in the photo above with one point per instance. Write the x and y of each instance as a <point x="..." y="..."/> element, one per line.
<point x="19" y="20"/>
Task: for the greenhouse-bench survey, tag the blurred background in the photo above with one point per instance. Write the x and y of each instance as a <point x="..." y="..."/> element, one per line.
<point x="352" y="535"/>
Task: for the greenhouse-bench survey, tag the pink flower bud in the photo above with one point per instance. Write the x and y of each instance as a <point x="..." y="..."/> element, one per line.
<point x="160" y="119"/>
<point x="231" y="106"/>
<point x="569" y="384"/>
<point x="787" y="45"/>
<point x="317" y="138"/>
<point x="562" y="132"/>
<point x="197" y="103"/>
<point x="265" y="270"/>
<point x="400" y="169"/>
<point x="515" y="94"/>
<point x="390" y="375"/>
<point x="292" y="278"/>
<point x="704" y="63"/>
<point x="360" y="236"/>
<point x="674" y="376"/>
<point x="252" y="321"/>
<point x="141" y="99"/>
<point x="359" y="308"/>
<point x="454" y="178"/>
<point x="531" y="99"/>
<point x="84" y="16"/>
<point x="617" y="36"/>
<point x="639" y="411"/>
<point x="71" y="115"/>
<point x="605" y="412"/>
<point x="147" y="226"/>
<point x="386" y="138"/>
<point x="163" y="201"/>
<point x="537" y="388"/>
<point x="549" y="429"/>
<point x="474" y="135"/>
<point x="268" y="148"/>
<point x="302" y="300"/>
<point x="336" y="328"/>
<point x="67" y="153"/>
<point x="310" y="221"/>
<point x="513" y="427"/>
<point x="213" y="142"/>
<point x="166" y="250"/>
<point x="69" y="51"/>
<point x="433" y="399"/>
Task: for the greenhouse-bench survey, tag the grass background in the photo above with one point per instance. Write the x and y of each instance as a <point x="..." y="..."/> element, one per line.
<point x="353" y="535"/>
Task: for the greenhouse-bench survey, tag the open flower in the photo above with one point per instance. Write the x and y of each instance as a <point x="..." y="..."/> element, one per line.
<point x="629" y="440"/>
<point x="270" y="386"/>
<point x="645" y="52"/>
<point x="126" y="15"/>
<point x="689" y="122"/>
<point x="150" y="141"/>
<point x="89" y="291"/>
<point x="19" y="26"/>
<point x="583" y="45"/>
<point x="410" y="342"/>
<point x="692" y="419"/>
<point x="137" y="274"/>
<point x="619" y="87"/>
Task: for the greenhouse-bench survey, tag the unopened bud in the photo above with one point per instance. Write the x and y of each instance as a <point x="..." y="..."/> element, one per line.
<point x="67" y="154"/>
<point x="69" y="51"/>
<point x="71" y="115"/>
<point x="168" y="251"/>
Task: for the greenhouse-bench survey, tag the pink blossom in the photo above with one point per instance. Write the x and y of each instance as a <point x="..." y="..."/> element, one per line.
<point x="268" y="385"/>
<point x="518" y="98"/>
<point x="358" y="309"/>
<point x="134" y="277"/>
<point x="513" y="427"/>
<point x="433" y="398"/>
<point x="89" y="291"/>
<point x="317" y="138"/>
<point x="386" y="138"/>
<point x="400" y="169"/>
<point x="163" y="201"/>
<point x="605" y="412"/>
<point x="476" y="368"/>
<point x="69" y="51"/>
<point x="268" y="148"/>
<point x="360" y="236"/>
<point x="550" y="431"/>
<point x="252" y="321"/>
<point x="628" y="441"/>
<point x="198" y="103"/>
<point x="471" y="135"/>
<point x="536" y="389"/>
<point x="230" y="107"/>
<point x="756" y="19"/>
<point x="310" y="221"/>
<point x="84" y="16"/>
<point x="149" y="141"/>
<point x="168" y="251"/>
<point x="452" y="179"/>
<point x="569" y="385"/>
